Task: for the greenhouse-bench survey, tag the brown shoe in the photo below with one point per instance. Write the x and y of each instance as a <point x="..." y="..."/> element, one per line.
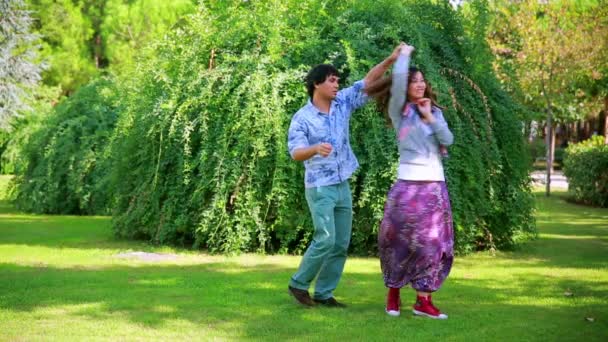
<point x="330" y="302"/>
<point x="301" y="296"/>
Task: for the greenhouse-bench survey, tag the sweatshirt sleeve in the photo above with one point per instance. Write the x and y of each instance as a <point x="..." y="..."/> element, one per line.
<point x="398" y="89"/>
<point x="441" y="129"/>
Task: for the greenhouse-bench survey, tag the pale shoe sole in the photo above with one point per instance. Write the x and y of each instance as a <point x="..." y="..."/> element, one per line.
<point x="420" y="313"/>
<point x="393" y="313"/>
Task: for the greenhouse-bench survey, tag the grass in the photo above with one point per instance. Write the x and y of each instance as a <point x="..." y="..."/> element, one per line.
<point x="60" y="279"/>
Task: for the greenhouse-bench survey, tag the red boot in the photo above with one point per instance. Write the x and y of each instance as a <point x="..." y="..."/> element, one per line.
<point x="393" y="302"/>
<point x="424" y="307"/>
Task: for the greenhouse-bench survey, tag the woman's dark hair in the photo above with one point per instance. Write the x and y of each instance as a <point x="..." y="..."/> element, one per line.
<point x="380" y="91"/>
<point x="319" y="74"/>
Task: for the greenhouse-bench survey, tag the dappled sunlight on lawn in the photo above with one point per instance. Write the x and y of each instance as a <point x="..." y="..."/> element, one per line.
<point x="68" y="277"/>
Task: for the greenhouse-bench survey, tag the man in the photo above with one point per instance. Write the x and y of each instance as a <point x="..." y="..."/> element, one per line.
<point x="319" y="136"/>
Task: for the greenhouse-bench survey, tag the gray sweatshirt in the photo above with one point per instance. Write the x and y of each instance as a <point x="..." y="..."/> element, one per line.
<point x="418" y="142"/>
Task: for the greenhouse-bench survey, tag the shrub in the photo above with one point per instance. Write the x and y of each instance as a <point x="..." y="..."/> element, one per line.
<point x="62" y="157"/>
<point x="538" y="149"/>
<point x="586" y="166"/>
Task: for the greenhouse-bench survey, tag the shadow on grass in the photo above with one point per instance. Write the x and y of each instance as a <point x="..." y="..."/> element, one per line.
<point x="6" y="208"/>
<point x="251" y="302"/>
<point x="60" y="231"/>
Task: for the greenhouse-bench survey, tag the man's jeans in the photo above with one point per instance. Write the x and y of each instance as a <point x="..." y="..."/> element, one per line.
<point x="332" y="215"/>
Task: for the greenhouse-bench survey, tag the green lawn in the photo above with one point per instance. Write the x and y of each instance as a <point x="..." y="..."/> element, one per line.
<point x="60" y="279"/>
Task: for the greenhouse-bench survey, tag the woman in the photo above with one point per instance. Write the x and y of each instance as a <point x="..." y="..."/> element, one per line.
<point x="416" y="236"/>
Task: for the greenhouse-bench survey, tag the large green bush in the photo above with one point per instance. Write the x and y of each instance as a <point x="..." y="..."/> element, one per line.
<point x="198" y="156"/>
<point x="586" y="166"/>
<point x="62" y="160"/>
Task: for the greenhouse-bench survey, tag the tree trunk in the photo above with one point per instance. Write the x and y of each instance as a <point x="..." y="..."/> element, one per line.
<point x="97" y="50"/>
<point x="592" y="126"/>
<point x="553" y="140"/>
<point x="95" y="10"/>
<point x="550" y="142"/>
<point x="558" y="135"/>
<point x="534" y="126"/>
<point x="2" y="148"/>
<point x="574" y="132"/>
<point x="605" y="126"/>
<point x="587" y="129"/>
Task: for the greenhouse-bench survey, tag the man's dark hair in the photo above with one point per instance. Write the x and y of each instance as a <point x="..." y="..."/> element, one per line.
<point x="318" y="75"/>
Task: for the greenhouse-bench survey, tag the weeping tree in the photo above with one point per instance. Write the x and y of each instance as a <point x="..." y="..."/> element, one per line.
<point x="198" y="154"/>
<point x="62" y="166"/>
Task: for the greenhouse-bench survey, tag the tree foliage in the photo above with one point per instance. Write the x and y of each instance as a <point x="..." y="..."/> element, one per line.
<point x="198" y="155"/>
<point x="65" y="31"/>
<point x="552" y="54"/>
<point x="128" y="27"/>
<point x="19" y="67"/>
<point x="80" y="38"/>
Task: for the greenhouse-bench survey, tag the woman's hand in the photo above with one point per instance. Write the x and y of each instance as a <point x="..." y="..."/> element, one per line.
<point x="401" y="48"/>
<point x="407" y="49"/>
<point x="424" y="107"/>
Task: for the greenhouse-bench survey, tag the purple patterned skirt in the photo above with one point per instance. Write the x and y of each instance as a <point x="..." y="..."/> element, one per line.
<point x="416" y="238"/>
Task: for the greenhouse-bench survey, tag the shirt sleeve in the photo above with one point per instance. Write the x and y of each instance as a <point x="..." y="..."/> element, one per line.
<point x="354" y="96"/>
<point x="441" y="129"/>
<point x="297" y="136"/>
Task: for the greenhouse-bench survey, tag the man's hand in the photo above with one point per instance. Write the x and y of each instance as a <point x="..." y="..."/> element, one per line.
<point x="305" y="153"/>
<point x="323" y="149"/>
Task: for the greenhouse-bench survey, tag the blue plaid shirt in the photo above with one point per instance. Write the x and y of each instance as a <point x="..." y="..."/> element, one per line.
<point x="310" y="127"/>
